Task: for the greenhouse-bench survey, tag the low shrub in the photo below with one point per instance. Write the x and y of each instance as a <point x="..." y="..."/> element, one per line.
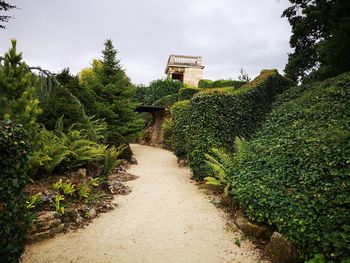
<point x="167" y="101"/>
<point x="213" y="119"/>
<point x="14" y="217"/>
<point x="159" y="89"/>
<point x="295" y="171"/>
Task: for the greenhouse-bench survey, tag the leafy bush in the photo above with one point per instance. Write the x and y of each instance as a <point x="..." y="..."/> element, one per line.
<point x="177" y="128"/>
<point x="228" y="83"/>
<point x="187" y="93"/>
<point x="14" y="217"/>
<point x="110" y="161"/>
<point x="59" y="104"/>
<point x="221" y="83"/>
<point x="213" y="119"/>
<point x="167" y="101"/>
<point x="295" y="171"/>
<point x="161" y="88"/>
<point x="205" y="83"/>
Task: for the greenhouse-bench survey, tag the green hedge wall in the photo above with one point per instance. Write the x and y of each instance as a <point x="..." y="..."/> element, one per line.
<point x="221" y="83"/>
<point x="14" y="218"/>
<point x="187" y="93"/>
<point x="295" y="173"/>
<point x="214" y="119"/>
<point x="176" y="130"/>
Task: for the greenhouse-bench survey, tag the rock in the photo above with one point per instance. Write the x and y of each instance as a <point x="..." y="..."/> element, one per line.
<point x="46" y="225"/>
<point x="280" y="250"/>
<point x="79" y="220"/>
<point x="182" y="162"/>
<point x="60" y="228"/>
<point x="250" y="228"/>
<point x="91" y="213"/>
<point x="116" y="187"/>
<point x="38" y="236"/>
<point x="44" y="216"/>
<point x="81" y="172"/>
<point x="133" y="160"/>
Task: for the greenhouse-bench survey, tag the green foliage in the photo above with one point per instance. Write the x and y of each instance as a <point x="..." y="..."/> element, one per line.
<point x="110" y="94"/>
<point x="17" y="102"/>
<point x="59" y="104"/>
<point x="114" y="139"/>
<point x="59" y="150"/>
<point x="320" y="39"/>
<point x="295" y="171"/>
<point x="205" y="83"/>
<point x="59" y="208"/>
<point x="167" y="101"/>
<point x="84" y="191"/>
<point x="187" y="93"/>
<point x="221" y="164"/>
<point x="159" y="89"/>
<point x="14" y="217"/>
<point x="34" y="201"/>
<point x="214" y="119"/>
<point x="111" y="161"/>
<point x="177" y="129"/>
<point x="66" y="188"/>
<point x="221" y="83"/>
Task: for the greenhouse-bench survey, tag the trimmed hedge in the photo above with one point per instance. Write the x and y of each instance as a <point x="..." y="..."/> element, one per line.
<point x="187" y="93"/>
<point x="205" y="83"/>
<point x="214" y="119"/>
<point x="176" y="130"/>
<point x="295" y="171"/>
<point x="14" y="218"/>
<point x="221" y="83"/>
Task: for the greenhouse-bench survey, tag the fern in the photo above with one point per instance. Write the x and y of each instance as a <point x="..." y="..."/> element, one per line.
<point x="222" y="166"/>
<point x="111" y="161"/>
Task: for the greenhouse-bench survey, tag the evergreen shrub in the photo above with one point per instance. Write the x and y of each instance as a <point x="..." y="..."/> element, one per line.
<point x="214" y="119"/>
<point x="14" y="218"/>
<point x="295" y="171"/>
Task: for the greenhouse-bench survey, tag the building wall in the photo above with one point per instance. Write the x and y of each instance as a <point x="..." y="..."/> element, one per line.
<point x="192" y="76"/>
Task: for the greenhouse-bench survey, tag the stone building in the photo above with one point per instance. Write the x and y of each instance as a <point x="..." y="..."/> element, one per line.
<point x="187" y="69"/>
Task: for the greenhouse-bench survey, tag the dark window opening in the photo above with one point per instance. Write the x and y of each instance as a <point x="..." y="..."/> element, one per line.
<point x="178" y="76"/>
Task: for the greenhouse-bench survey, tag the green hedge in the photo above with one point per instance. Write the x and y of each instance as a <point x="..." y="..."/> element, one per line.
<point x="187" y="93"/>
<point x="214" y="119"/>
<point x="221" y="83"/>
<point x="176" y="130"/>
<point x="205" y="83"/>
<point x="295" y="171"/>
<point x="14" y="218"/>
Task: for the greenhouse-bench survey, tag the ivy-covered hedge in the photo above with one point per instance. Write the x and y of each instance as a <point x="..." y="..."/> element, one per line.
<point x="176" y="130"/>
<point x="295" y="171"/>
<point x="221" y="83"/>
<point x="214" y="119"/>
<point x="14" y="218"/>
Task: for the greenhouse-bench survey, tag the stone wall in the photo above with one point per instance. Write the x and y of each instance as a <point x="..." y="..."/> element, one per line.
<point x="192" y="76"/>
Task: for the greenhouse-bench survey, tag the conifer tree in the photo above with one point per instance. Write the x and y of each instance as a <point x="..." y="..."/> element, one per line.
<point x="114" y="94"/>
<point x="17" y="102"/>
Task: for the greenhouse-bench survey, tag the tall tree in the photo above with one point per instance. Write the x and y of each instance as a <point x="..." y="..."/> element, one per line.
<point x="113" y="93"/>
<point x="3" y="8"/>
<point x="320" y="38"/>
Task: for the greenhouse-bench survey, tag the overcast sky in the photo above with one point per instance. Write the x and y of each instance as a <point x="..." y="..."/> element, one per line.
<point x="228" y="34"/>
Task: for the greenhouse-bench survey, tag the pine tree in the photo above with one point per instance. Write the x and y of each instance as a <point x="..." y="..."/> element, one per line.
<point x="17" y="102"/>
<point x="5" y="7"/>
<point x="114" y="94"/>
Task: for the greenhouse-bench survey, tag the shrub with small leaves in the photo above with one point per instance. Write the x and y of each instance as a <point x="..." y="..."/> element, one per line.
<point x="14" y="217"/>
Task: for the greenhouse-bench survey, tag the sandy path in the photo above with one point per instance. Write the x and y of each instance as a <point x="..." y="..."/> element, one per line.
<point x="164" y="219"/>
